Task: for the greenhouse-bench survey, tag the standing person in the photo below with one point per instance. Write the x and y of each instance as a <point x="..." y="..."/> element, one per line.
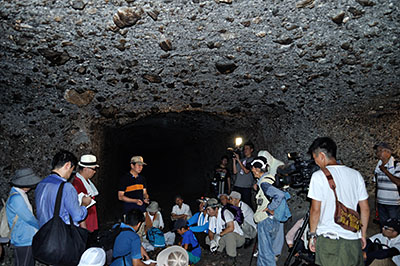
<point x="222" y="176"/>
<point x="387" y="178"/>
<point x="241" y="168"/>
<point x="325" y="235"/>
<point x="267" y="225"/>
<point x="82" y="183"/>
<point x="63" y="164"/>
<point x="127" y="249"/>
<point x="273" y="165"/>
<point x="20" y="216"/>
<point x="133" y="190"/>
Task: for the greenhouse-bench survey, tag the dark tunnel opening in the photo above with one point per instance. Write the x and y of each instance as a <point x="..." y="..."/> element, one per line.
<point x="180" y="149"/>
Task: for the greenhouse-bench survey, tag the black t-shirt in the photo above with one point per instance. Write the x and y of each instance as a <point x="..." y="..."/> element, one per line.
<point x="133" y="188"/>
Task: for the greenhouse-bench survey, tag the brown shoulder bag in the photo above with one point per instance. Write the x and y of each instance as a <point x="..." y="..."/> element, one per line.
<point x="345" y="217"/>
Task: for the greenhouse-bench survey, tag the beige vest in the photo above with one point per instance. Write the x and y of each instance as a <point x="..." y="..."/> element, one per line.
<point x="261" y="199"/>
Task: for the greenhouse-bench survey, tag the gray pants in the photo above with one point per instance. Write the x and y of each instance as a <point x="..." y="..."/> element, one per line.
<point x="229" y="242"/>
<point x="249" y="231"/>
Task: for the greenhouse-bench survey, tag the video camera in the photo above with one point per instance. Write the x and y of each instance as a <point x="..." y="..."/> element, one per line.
<point x="297" y="174"/>
<point x="237" y="149"/>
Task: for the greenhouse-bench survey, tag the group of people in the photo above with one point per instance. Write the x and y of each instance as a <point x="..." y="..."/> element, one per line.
<point x="221" y="225"/>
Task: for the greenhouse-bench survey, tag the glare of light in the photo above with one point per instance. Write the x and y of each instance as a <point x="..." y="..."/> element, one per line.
<point x="238" y="141"/>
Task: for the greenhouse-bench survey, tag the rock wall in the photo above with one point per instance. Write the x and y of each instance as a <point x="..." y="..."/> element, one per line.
<point x="288" y="71"/>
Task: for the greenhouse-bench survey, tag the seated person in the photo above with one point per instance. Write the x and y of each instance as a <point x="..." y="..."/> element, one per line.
<point x="189" y="242"/>
<point x="127" y="249"/>
<point x="223" y="231"/>
<point x="223" y="198"/>
<point x="153" y="217"/>
<point x="249" y="227"/>
<point x="180" y="210"/>
<point x="385" y="245"/>
<point x="199" y="223"/>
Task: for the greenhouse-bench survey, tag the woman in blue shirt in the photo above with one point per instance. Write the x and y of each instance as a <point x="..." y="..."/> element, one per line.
<point x="23" y="224"/>
<point x="127" y="248"/>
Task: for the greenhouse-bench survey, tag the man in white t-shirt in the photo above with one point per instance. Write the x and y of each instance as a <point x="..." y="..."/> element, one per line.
<point x="333" y="244"/>
<point x="180" y="210"/>
<point x="223" y="231"/>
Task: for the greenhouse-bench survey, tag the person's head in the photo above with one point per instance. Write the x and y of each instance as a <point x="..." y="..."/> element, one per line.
<point x="383" y="151"/>
<point x="153" y="208"/>
<point x="223" y="198"/>
<point x="391" y="228"/>
<point x="134" y="218"/>
<point x="25" y="179"/>
<point x="178" y="200"/>
<point x="88" y="166"/>
<point x="137" y="164"/>
<point x="202" y="204"/>
<point x="323" y="150"/>
<point x="259" y="166"/>
<point x="234" y="198"/>
<point x="183" y="229"/>
<point x="224" y="160"/>
<point x="212" y="207"/>
<point x="248" y="149"/>
<point x="64" y="163"/>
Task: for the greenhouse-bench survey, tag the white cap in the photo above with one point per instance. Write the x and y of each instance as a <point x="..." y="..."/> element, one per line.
<point x="93" y="257"/>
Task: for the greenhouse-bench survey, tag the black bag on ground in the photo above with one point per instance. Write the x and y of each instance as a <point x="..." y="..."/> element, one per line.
<point x="57" y="243"/>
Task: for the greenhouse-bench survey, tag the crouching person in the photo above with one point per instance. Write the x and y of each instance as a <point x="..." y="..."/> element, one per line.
<point x="249" y="227"/>
<point x="189" y="242"/>
<point x="127" y="247"/>
<point x="384" y="248"/>
<point x="223" y="231"/>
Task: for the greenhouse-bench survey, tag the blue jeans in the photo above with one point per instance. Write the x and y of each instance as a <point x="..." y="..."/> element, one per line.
<point x="388" y="211"/>
<point x="267" y="231"/>
<point x="279" y="240"/>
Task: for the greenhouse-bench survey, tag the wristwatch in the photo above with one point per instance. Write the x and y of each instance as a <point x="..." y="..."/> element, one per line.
<point x="311" y="235"/>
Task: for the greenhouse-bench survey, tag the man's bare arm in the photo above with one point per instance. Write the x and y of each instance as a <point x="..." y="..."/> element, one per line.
<point x="392" y="178"/>
<point x="364" y="209"/>
<point x="122" y="197"/>
<point x="229" y="228"/>
<point x="315" y="212"/>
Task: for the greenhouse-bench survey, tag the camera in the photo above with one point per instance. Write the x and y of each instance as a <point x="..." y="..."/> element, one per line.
<point x="232" y="151"/>
<point x="297" y="174"/>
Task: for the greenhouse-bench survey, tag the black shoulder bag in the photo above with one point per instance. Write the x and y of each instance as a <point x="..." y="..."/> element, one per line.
<point x="58" y="243"/>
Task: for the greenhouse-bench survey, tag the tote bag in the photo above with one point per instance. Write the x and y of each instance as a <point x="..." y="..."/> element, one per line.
<point x="57" y="243"/>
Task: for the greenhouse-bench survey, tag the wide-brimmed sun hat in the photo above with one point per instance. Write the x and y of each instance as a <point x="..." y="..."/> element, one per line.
<point x="25" y="178"/>
<point x="93" y="257"/>
<point x="153" y="207"/>
<point x="173" y="256"/>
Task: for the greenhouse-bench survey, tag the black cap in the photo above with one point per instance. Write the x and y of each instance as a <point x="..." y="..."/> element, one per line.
<point x="383" y="145"/>
<point x="394" y="223"/>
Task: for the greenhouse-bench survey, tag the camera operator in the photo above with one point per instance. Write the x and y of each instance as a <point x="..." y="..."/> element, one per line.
<point x="333" y="244"/>
<point x="241" y="168"/>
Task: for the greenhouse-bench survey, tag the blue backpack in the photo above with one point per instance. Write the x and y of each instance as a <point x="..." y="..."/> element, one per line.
<point x="156" y="237"/>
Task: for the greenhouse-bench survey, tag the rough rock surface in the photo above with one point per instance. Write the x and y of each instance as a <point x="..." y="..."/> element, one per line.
<point x="279" y="72"/>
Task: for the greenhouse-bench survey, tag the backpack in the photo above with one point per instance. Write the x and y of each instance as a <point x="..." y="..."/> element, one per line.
<point x="236" y="211"/>
<point x="106" y="239"/>
<point x="5" y="231"/>
<point x="282" y="212"/>
<point x="156" y="237"/>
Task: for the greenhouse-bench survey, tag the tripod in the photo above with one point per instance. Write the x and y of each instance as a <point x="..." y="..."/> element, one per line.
<point x="298" y="238"/>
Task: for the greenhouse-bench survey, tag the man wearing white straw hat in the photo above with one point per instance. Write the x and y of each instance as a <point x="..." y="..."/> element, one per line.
<point x="83" y="184"/>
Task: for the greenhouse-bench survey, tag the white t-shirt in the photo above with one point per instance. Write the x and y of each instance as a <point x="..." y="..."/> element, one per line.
<point x="391" y="243"/>
<point x="247" y="213"/>
<point x="184" y="210"/>
<point x="217" y="224"/>
<point x="350" y="189"/>
<point x="387" y="190"/>
<point x="159" y="222"/>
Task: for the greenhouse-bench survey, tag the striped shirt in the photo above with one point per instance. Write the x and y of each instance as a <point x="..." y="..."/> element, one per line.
<point x="388" y="193"/>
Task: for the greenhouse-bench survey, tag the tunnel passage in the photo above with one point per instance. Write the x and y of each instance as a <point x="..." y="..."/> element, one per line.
<point x="180" y="149"/>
